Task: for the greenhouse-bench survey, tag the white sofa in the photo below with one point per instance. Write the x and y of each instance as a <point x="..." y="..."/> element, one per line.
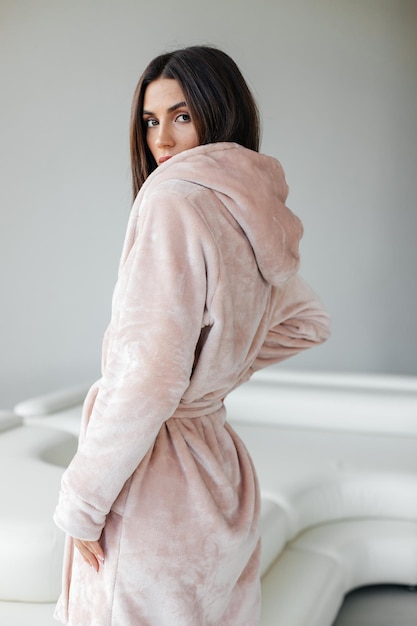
<point x="337" y="461"/>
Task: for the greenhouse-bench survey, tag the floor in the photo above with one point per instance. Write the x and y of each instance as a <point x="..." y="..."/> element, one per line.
<point x="381" y="605"/>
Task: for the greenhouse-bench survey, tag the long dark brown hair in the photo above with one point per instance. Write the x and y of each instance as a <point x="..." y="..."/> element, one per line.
<point x="221" y="104"/>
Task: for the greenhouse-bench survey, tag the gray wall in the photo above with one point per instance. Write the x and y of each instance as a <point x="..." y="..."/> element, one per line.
<point x="336" y="83"/>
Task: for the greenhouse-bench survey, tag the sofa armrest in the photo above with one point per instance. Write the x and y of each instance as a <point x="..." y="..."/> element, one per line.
<point x="8" y="420"/>
<point x="52" y="402"/>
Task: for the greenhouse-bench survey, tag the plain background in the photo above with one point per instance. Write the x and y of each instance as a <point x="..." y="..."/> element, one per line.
<point x="336" y="82"/>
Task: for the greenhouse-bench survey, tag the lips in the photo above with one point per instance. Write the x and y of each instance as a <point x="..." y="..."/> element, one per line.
<point x="163" y="159"/>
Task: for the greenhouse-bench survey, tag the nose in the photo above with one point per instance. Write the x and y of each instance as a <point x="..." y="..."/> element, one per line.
<point x="165" y="136"/>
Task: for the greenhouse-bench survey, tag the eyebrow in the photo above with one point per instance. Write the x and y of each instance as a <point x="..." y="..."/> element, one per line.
<point x="170" y="109"/>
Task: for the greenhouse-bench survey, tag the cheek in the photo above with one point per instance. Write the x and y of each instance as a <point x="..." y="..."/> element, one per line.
<point x="150" y="142"/>
<point x="194" y="139"/>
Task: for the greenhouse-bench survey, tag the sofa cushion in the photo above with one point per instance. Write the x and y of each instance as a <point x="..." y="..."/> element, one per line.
<point x="302" y="589"/>
<point x="322" y="476"/>
<point x="307" y="583"/>
<point x="27" y="614"/>
<point x="274" y="532"/>
<point x="369" y="552"/>
<point x="31" y="546"/>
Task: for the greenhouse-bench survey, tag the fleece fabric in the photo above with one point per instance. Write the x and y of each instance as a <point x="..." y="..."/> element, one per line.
<point x="208" y="292"/>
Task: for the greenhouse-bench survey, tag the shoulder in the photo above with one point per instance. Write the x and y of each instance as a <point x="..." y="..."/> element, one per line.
<point x="176" y="188"/>
<point x="176" y="200"/>
<point x="174" y="210"/>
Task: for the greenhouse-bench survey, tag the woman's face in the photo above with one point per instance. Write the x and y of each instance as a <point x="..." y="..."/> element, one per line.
<point x="169" y="127"/>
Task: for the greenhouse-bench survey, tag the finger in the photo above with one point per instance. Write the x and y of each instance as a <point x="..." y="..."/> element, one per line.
<point x="91" y="552"/>
<point x="97" y="551"/>
<point x="85" y="553"/>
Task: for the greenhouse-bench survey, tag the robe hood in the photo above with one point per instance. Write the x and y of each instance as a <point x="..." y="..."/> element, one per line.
<point x="253" y="189"/>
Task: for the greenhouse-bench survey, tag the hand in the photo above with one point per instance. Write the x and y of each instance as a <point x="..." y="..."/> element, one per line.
<point x="91" y="551"/>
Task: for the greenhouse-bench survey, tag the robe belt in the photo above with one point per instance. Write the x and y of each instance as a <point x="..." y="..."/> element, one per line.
<point x="198" y="408"/>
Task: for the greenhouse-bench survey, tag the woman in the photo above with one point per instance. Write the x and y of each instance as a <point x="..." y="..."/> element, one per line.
<point x="161" y="499"/>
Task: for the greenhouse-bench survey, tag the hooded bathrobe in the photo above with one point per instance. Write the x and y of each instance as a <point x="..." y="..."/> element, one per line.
<point x="207" y="293"/>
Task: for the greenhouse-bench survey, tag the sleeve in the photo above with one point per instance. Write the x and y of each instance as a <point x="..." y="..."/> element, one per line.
<point x="298" y="322"/>
<point x="157" y="313"/>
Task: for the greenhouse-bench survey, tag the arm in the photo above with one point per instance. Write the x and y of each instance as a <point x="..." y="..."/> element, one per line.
<point x="156" y="321"/>
<point x="298" y="322"/>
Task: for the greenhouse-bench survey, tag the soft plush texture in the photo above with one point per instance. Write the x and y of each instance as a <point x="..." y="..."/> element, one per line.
<point x="208" y="292"/>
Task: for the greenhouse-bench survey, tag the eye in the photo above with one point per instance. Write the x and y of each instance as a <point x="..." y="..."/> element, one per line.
<point x="151" y="122"/>
<point x="183" y="117"/>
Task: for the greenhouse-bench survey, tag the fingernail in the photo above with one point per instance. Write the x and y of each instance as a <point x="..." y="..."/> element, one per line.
<point x="100" y="558"/>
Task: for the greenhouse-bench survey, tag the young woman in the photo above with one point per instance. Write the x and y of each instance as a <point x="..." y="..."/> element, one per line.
<point x="161" y="503"/>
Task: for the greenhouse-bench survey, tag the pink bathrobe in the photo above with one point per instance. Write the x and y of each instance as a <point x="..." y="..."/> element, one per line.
<point x="207" y="293"/>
